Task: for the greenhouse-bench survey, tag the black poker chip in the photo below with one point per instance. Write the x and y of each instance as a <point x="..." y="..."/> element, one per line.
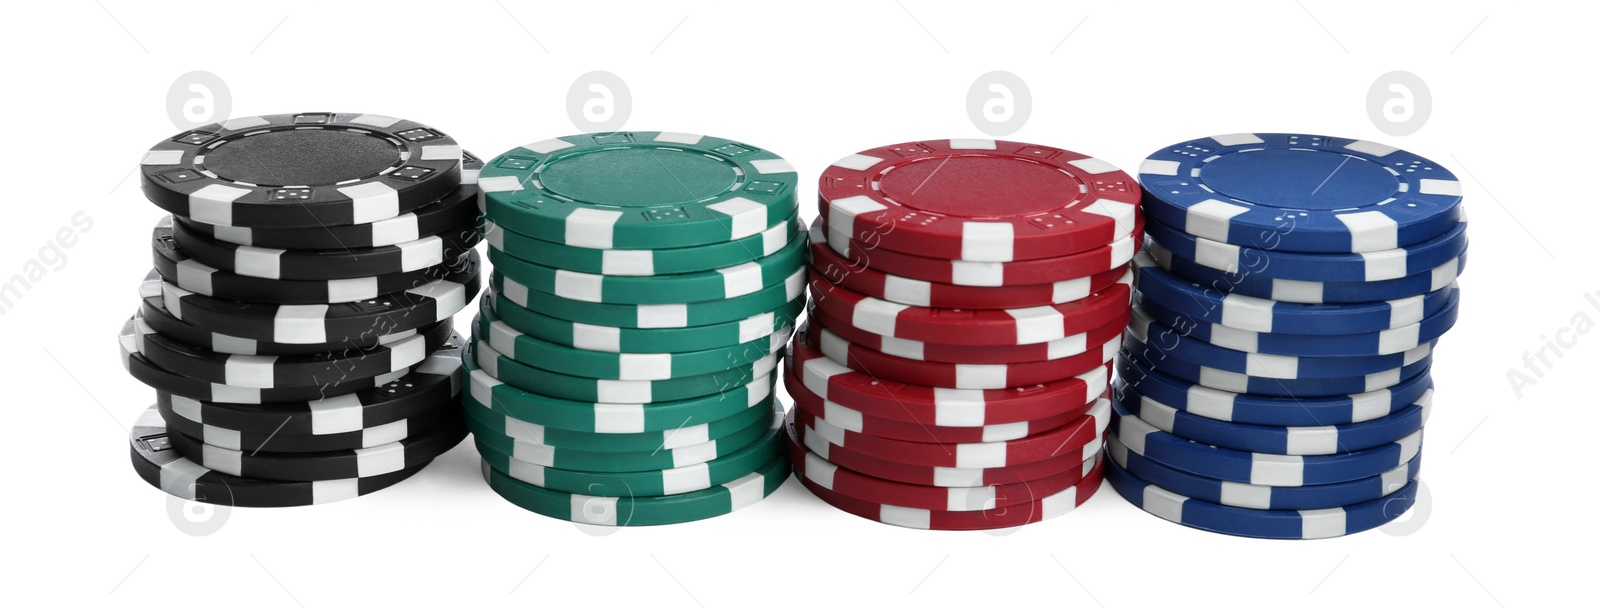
<point x="321" y="264"/>
<point x="301" y="170"/>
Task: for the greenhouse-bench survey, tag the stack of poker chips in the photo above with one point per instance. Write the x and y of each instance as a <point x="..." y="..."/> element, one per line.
<point x="969" y="296"/>
<point x="297" y="324"/>
<point x="621" y="368"/>
<point x="1276" y="379"/>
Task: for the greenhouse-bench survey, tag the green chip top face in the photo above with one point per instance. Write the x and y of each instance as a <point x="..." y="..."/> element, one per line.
<point x="638" y="190"/>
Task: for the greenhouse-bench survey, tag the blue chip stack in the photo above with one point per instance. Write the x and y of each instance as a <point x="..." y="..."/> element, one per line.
<point x="1275" y="379"/>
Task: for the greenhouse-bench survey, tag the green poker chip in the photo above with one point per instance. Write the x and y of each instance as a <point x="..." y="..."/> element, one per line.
<point x="638" y="190"/>
<point x="621" y="417"/>
<point x="653" y="316"/>
<point x="498" y="423"/>
<point x="607" y="461"/>
<point x="620" y="366"/>
<point x="711" y="285"/>
<point x="565" y="386"/>
<point x="632" y="340"/>
<point x="664" y="482"/>
<point x="644" y="262"/>
<point x="643" y="510"/>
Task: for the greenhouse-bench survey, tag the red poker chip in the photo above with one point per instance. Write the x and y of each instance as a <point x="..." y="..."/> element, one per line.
<point x="817" y="470"/>
<point x="829" y="266"/>
<point x="981" y="274"/>
<point x="979" y="376"/>
<point x="943" y="477"/>
<point x="852" y="419"/>
<point x="1068" y="439"/>
<point x="978" y="199"/>
<point x="937" y="406"/>
<point x="1032" y="325"/>
<point x="950" y="353"/>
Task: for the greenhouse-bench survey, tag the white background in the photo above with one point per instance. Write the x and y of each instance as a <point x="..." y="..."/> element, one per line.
<point x="1509" y="519"/>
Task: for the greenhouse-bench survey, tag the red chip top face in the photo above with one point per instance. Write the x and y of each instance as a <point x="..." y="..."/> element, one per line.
<point x="979" y="200"/>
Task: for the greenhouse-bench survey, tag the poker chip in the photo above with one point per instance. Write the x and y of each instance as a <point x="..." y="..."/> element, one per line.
<point x="1235" y="382"/>
<point x="365" y="437"/>
<point x="611" y="461"/>
<point x="851" y="419"/>
<point x="451" y="212"/>
<point x="634" y="340"/>
<point x="623" y="361"/>
<point x="944" y="477"/>
<point x="1252" y="408"/>
<point x="437" y="381"/>
<point x="948" y="353"/>
<point x="497" y="423"/>
<point x="816" y="470"/>
<point x="1297" y="192"/>
<point x="957" y="375"/>
<point x="937" y="406"/>
<point x="1248" y="496"/>
<point x="297" y="324"/>
<point x="325" y="264"/>
<point x="1310" y="292"/>
<point x="662" y="482"/>
<point x="414" y="450"/>
<point x="161" y="466"/>
<point x="620" y="366"/>
<point x="1161" y="342"/>
<point x="653" y="316"/>
<point x="643" y="510"/>
<point x="319" y="323"/>
<point x="1386" y="342"/>
<point x="176" y="267"/>
<point x="301" y="170"/>
<point x="1048" y="507"/>
<point x="1277" y="264"/>
<point x="645" y="262"/>
<point x="1206" y="303"/>
<point x="830" y="267"/>
<point x="581" y="388"/>
<point x="982" y="274"/>
<point x="268" y="371"/>
<point x="979" y="200"/>
<point x="1031" y="325"/>
<point x="993" y="454"/>
<point x="607" y="418"/>
<point x="719" y="284"/>
<point x="1261" y="523"/>
<point x="1296" y="440"/>
<point x="638" y="190"/>
<point x="1255" y="467"/>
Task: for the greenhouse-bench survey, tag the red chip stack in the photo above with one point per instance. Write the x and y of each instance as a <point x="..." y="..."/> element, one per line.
<point x="968" y="297"/>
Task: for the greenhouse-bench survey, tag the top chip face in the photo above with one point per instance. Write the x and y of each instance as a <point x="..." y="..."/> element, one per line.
<point x="1296" y="192"/>
<point x="301" y="170"/>
<point x="978" y="200"/>
<point x="638" y="190"/>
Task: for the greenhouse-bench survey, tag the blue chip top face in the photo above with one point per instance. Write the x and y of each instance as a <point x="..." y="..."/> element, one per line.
<point x="1295" y="192"/>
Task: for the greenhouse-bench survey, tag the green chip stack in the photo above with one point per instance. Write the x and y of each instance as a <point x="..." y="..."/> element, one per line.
<point x="645" y="283"/>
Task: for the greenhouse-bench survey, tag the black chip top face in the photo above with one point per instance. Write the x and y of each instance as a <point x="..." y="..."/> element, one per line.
<point x="302" y="170"/>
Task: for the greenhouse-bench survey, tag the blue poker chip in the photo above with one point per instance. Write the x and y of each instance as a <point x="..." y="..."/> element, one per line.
<point x="1254" y="467"/>
<point x="1279" y="264"/>
<point x="1162" y="342"/>
<point x="1295" y="192"/>
<point x="1256" y="523"/>
<point x="1247" y="496"/>
<point x="1225" y="380"/>
<point x="1385" y="342"/>
<point x="1247" y="408"/>
<point x="1309" y="292"/>
<point x="1292" y="440"/>
<point x="1216" y="305"/>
